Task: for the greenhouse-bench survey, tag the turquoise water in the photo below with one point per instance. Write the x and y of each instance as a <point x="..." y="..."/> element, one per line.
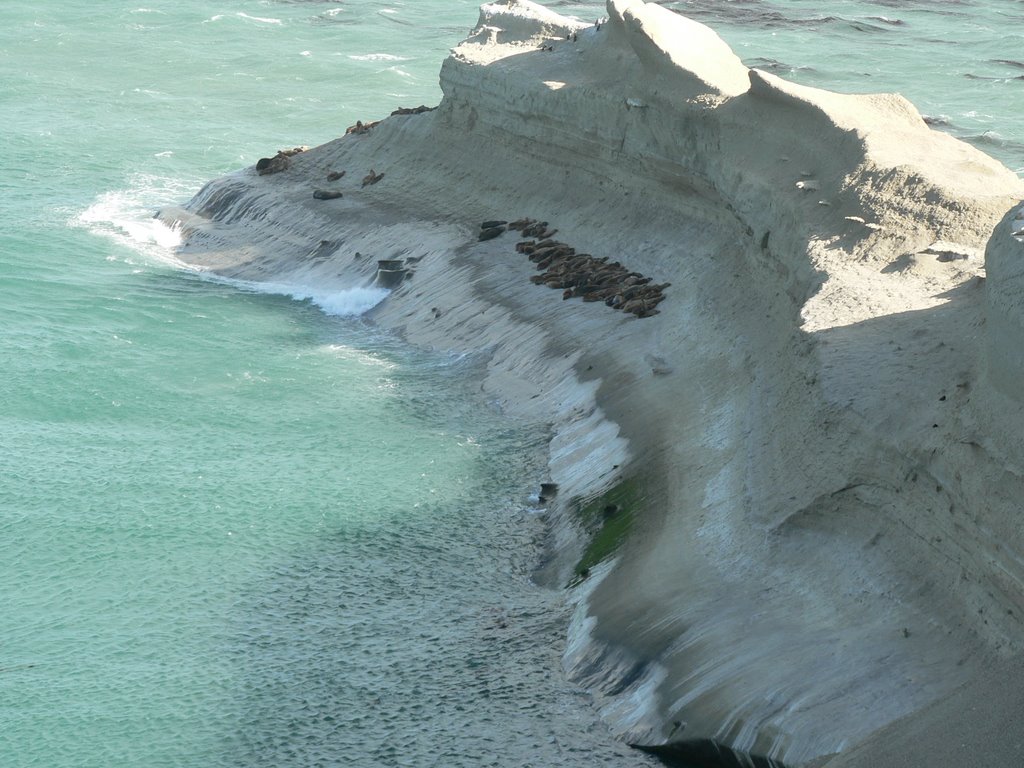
<point x="236" y="530"/>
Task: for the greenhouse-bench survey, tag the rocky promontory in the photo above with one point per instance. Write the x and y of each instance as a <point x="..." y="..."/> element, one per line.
<point x="802" y="465"/>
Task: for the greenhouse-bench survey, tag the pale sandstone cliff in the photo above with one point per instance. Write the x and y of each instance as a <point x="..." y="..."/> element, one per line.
<point x="825" y="414"/>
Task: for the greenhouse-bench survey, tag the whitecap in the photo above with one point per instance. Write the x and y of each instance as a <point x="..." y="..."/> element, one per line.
<point x="338" y="302"/>
<point x="376" y="57"/>
<point x="246" y="17"/>
<point x="260" y="19"/>
<point x="126" y="216"/>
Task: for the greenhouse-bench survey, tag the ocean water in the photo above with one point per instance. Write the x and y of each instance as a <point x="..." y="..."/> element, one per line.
<point x="244" y="527"/>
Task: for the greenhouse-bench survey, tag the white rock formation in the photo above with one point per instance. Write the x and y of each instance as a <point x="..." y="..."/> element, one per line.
<point x="826" y="413"/>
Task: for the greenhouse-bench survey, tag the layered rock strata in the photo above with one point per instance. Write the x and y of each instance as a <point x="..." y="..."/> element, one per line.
<point x="825" y="413"/>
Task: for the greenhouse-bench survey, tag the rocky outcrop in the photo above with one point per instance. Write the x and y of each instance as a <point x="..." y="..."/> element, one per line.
<point x="822" y="420"/>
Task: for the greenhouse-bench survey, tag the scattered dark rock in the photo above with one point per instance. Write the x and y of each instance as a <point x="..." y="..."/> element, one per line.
<point x="326" y="194"/>
<point x="703" y="752"/>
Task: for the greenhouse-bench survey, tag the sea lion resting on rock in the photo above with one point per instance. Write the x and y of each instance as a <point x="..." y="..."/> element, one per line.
<point x="413" y="110"/>
<point x="490" y="233"/>
<point x="372" y="178"/>
<point x="361" y="127"/>
<point x="277" y="163"/>
<point x="581" y="274"/>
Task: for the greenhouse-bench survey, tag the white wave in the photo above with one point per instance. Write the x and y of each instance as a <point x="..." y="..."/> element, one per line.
<point x="245" y="17"/>
<point x="126" y="216"/>
<point x="338" y="302"/>
<point x="377" y="57"/>
<point x="344" y="303"/>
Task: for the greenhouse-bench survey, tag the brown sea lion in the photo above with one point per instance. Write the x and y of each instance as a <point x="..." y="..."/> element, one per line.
<point x="372" y="177"/>
<point x="413" y="110"/>
<point x="361" y="127"/>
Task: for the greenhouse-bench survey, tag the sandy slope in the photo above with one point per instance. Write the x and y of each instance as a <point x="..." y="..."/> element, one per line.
<point x="830" y="538"/>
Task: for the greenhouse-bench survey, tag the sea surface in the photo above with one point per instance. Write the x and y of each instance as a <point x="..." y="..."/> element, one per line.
<point x="240" y="526"/>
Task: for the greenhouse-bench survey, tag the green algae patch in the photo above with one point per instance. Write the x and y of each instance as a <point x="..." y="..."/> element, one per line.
<point x="609" y="518"/>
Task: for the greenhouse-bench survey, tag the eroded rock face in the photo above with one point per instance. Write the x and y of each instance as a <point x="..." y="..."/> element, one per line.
<point x="1004" y="261"/>
<point x="829" y="534"/>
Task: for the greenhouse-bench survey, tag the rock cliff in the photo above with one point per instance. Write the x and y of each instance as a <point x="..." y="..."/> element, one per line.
<point x="817" y="440"/>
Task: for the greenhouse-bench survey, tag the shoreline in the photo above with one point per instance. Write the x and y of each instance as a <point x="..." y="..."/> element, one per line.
<point x="824" y="255"/>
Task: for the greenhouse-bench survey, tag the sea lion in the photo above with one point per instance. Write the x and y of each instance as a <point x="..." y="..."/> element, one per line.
<point x="335" y="175"/>
<point x="490" y="233"/>
<point x="361" y="127"/>
<point x="598" y="295"/>
<point x="267" y="165"/>
<point x="326" y="194"/>
<point x="413" y="110"/>
<point x="490" y="224"/>
<point x="372" y="178"/>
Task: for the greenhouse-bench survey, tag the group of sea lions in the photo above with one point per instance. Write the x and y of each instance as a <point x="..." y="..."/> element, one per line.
<point x="332" y="194"/>
<point x="279" y="162"/>
<point x="589" y="277"/>
<point x="361" y="127"/>
<point x="413" y="110"/>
